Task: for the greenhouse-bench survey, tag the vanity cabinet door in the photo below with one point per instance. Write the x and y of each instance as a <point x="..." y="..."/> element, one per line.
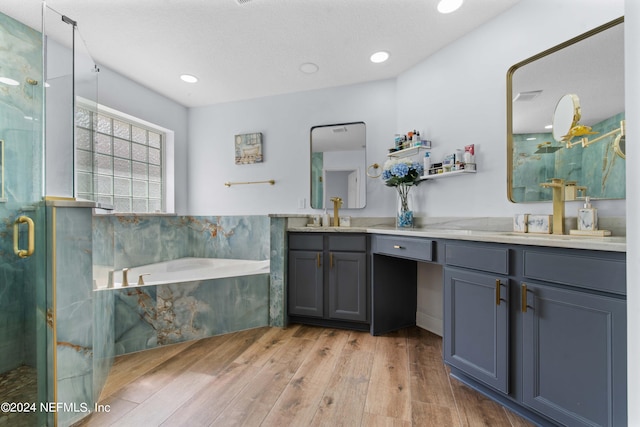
<point x="348" y="286"/>
<point x="476" y="325"/>
<point x="305" y="283"/>
<point x="574" y="355"/>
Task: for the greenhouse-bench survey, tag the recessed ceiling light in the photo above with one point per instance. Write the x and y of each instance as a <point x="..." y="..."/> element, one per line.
<point x="379" y="57"/>
<point x="189" y="78"/>
<point x="548" y="127"/>
<point x="309" y="68"/>
<point x="8" y="81"/>
<point x="448" y="6"/>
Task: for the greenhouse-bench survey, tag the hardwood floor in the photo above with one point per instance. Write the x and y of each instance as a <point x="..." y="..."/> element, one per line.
<point x="299" y="376"/>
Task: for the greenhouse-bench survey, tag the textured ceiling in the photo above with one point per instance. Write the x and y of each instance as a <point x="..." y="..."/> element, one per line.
<point x="242" y="49"/>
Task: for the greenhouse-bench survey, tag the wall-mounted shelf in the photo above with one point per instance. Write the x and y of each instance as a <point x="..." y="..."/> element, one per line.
<point x="447" y="174"/>
<point x="406" y="152"/>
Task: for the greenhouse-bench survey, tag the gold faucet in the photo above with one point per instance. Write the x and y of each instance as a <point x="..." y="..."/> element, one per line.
<point x="557" y="185"/>
<point x="125" y="280"/>
<point x="337" y="202"/>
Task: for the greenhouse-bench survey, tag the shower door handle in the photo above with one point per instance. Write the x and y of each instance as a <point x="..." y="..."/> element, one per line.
<point x="24" y="253"/>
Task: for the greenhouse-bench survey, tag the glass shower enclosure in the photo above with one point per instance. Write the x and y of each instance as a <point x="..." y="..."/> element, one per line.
<point x="38" y="89"/>
<point x="23" y="293"/>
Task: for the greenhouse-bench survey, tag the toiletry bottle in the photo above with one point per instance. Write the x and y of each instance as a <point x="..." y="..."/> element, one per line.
<point x="427" y="163"/>
<point x="326" y="219"/>
<point x="587" y="216"/>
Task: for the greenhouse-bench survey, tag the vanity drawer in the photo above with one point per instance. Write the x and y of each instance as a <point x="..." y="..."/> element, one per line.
<point x="602" y="272"/>
<point x="346" y="242"/>
<point x="481" y="257"/>
<point x="417" y="248"/>
<point x="305" y="241"/>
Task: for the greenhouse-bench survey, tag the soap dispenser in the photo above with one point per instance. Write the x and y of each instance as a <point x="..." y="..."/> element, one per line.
<point x="326" y="219"/>
<point x="587" y="216"/>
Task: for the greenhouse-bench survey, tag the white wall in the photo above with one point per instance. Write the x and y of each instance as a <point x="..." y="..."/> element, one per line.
<point x="458" y="97"/>
<point x="632" y="89"/>
<point x="285" y="122"/>
<point x="124" y="95"/>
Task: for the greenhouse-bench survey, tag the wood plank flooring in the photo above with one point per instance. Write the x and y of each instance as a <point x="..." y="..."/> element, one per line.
<point x="298" y="376"/>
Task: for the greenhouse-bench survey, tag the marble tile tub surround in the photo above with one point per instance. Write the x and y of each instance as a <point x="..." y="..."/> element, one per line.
<point x="122" y="241"/>
<point x="154" y="316"/>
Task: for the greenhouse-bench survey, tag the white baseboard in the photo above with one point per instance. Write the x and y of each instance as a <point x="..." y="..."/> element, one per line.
<point x="430" y="323"/>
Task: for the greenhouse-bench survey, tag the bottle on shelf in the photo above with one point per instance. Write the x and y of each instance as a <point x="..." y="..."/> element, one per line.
<point x="427" y="163"/>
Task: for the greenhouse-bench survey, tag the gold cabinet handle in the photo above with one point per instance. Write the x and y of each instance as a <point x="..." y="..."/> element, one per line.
<point x="318" y="260"/>
<point x="330" y="259"/>
<point x="497" y="291"/>
<point x="397" y="247"/>
<point x="24" y="253"/>
<point x="523" y="295"/>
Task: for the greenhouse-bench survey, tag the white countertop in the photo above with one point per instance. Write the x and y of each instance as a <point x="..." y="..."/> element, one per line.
<point x="613" y="244"/>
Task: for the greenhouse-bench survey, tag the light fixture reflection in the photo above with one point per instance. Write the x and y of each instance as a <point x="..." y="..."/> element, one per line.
<point x="8" y="81"/>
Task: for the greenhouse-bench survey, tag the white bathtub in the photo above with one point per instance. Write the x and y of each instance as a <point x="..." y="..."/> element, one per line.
<point x="190" y="270"/>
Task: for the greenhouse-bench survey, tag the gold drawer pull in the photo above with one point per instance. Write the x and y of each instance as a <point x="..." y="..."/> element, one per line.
<point x="397" y="247"/>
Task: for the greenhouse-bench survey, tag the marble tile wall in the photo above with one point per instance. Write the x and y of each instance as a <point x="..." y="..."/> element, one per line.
<point x="74" y="307"/>
<point x="146" y="317"/>
<point x="278" y="259"/>
<point x="597" y="167"/>
<point x="153" y="316"/>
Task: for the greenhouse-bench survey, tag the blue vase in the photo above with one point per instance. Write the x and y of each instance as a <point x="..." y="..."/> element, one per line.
<point x="404" y="216"/>
<point x="404" y="219"/>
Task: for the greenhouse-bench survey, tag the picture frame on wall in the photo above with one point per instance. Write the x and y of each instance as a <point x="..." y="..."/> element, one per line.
<point x="248" y="148"/>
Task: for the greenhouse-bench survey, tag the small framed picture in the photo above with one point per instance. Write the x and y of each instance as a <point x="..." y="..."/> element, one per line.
<point x="248" y="148"/>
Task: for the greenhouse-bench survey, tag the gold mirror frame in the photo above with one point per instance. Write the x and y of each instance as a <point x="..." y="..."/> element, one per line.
<point x="510" y="98"/>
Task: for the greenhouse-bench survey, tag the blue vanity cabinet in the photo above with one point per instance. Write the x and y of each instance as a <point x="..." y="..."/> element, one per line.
<point x="476" y="325"/>
<point x="574" y="355"/>
<point x="305" y="276"/>
<point x="540" y="329"/>
<point x="328" y="285"/>
<point x="574" y="336"/>
<point x="476" y="313"/>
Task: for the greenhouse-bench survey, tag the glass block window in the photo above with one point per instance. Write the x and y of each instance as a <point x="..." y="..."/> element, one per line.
<point x="119" y="162"/>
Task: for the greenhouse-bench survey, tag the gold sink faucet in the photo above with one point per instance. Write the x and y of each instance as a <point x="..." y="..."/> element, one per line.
<point x="337" y="202"/>
<point x="557" y="185"/>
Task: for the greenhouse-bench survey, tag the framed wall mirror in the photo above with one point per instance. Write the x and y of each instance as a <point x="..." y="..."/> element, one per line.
<point x="338" y="165"/>
<point x="591" y="67"/>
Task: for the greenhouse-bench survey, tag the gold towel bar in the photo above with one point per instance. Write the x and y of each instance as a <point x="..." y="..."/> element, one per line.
<point x="229" y="184"/>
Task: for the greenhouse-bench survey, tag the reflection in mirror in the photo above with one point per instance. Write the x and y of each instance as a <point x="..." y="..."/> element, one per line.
<point x="565" y="117"/>
<point x="591" y="67"/>
<point x="338" y="165"/>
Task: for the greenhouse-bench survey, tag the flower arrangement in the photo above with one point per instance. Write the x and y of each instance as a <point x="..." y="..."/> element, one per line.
<point x="402" y="174"/>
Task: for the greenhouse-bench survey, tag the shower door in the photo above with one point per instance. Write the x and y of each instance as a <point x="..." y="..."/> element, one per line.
<point x="23" y="284"/>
